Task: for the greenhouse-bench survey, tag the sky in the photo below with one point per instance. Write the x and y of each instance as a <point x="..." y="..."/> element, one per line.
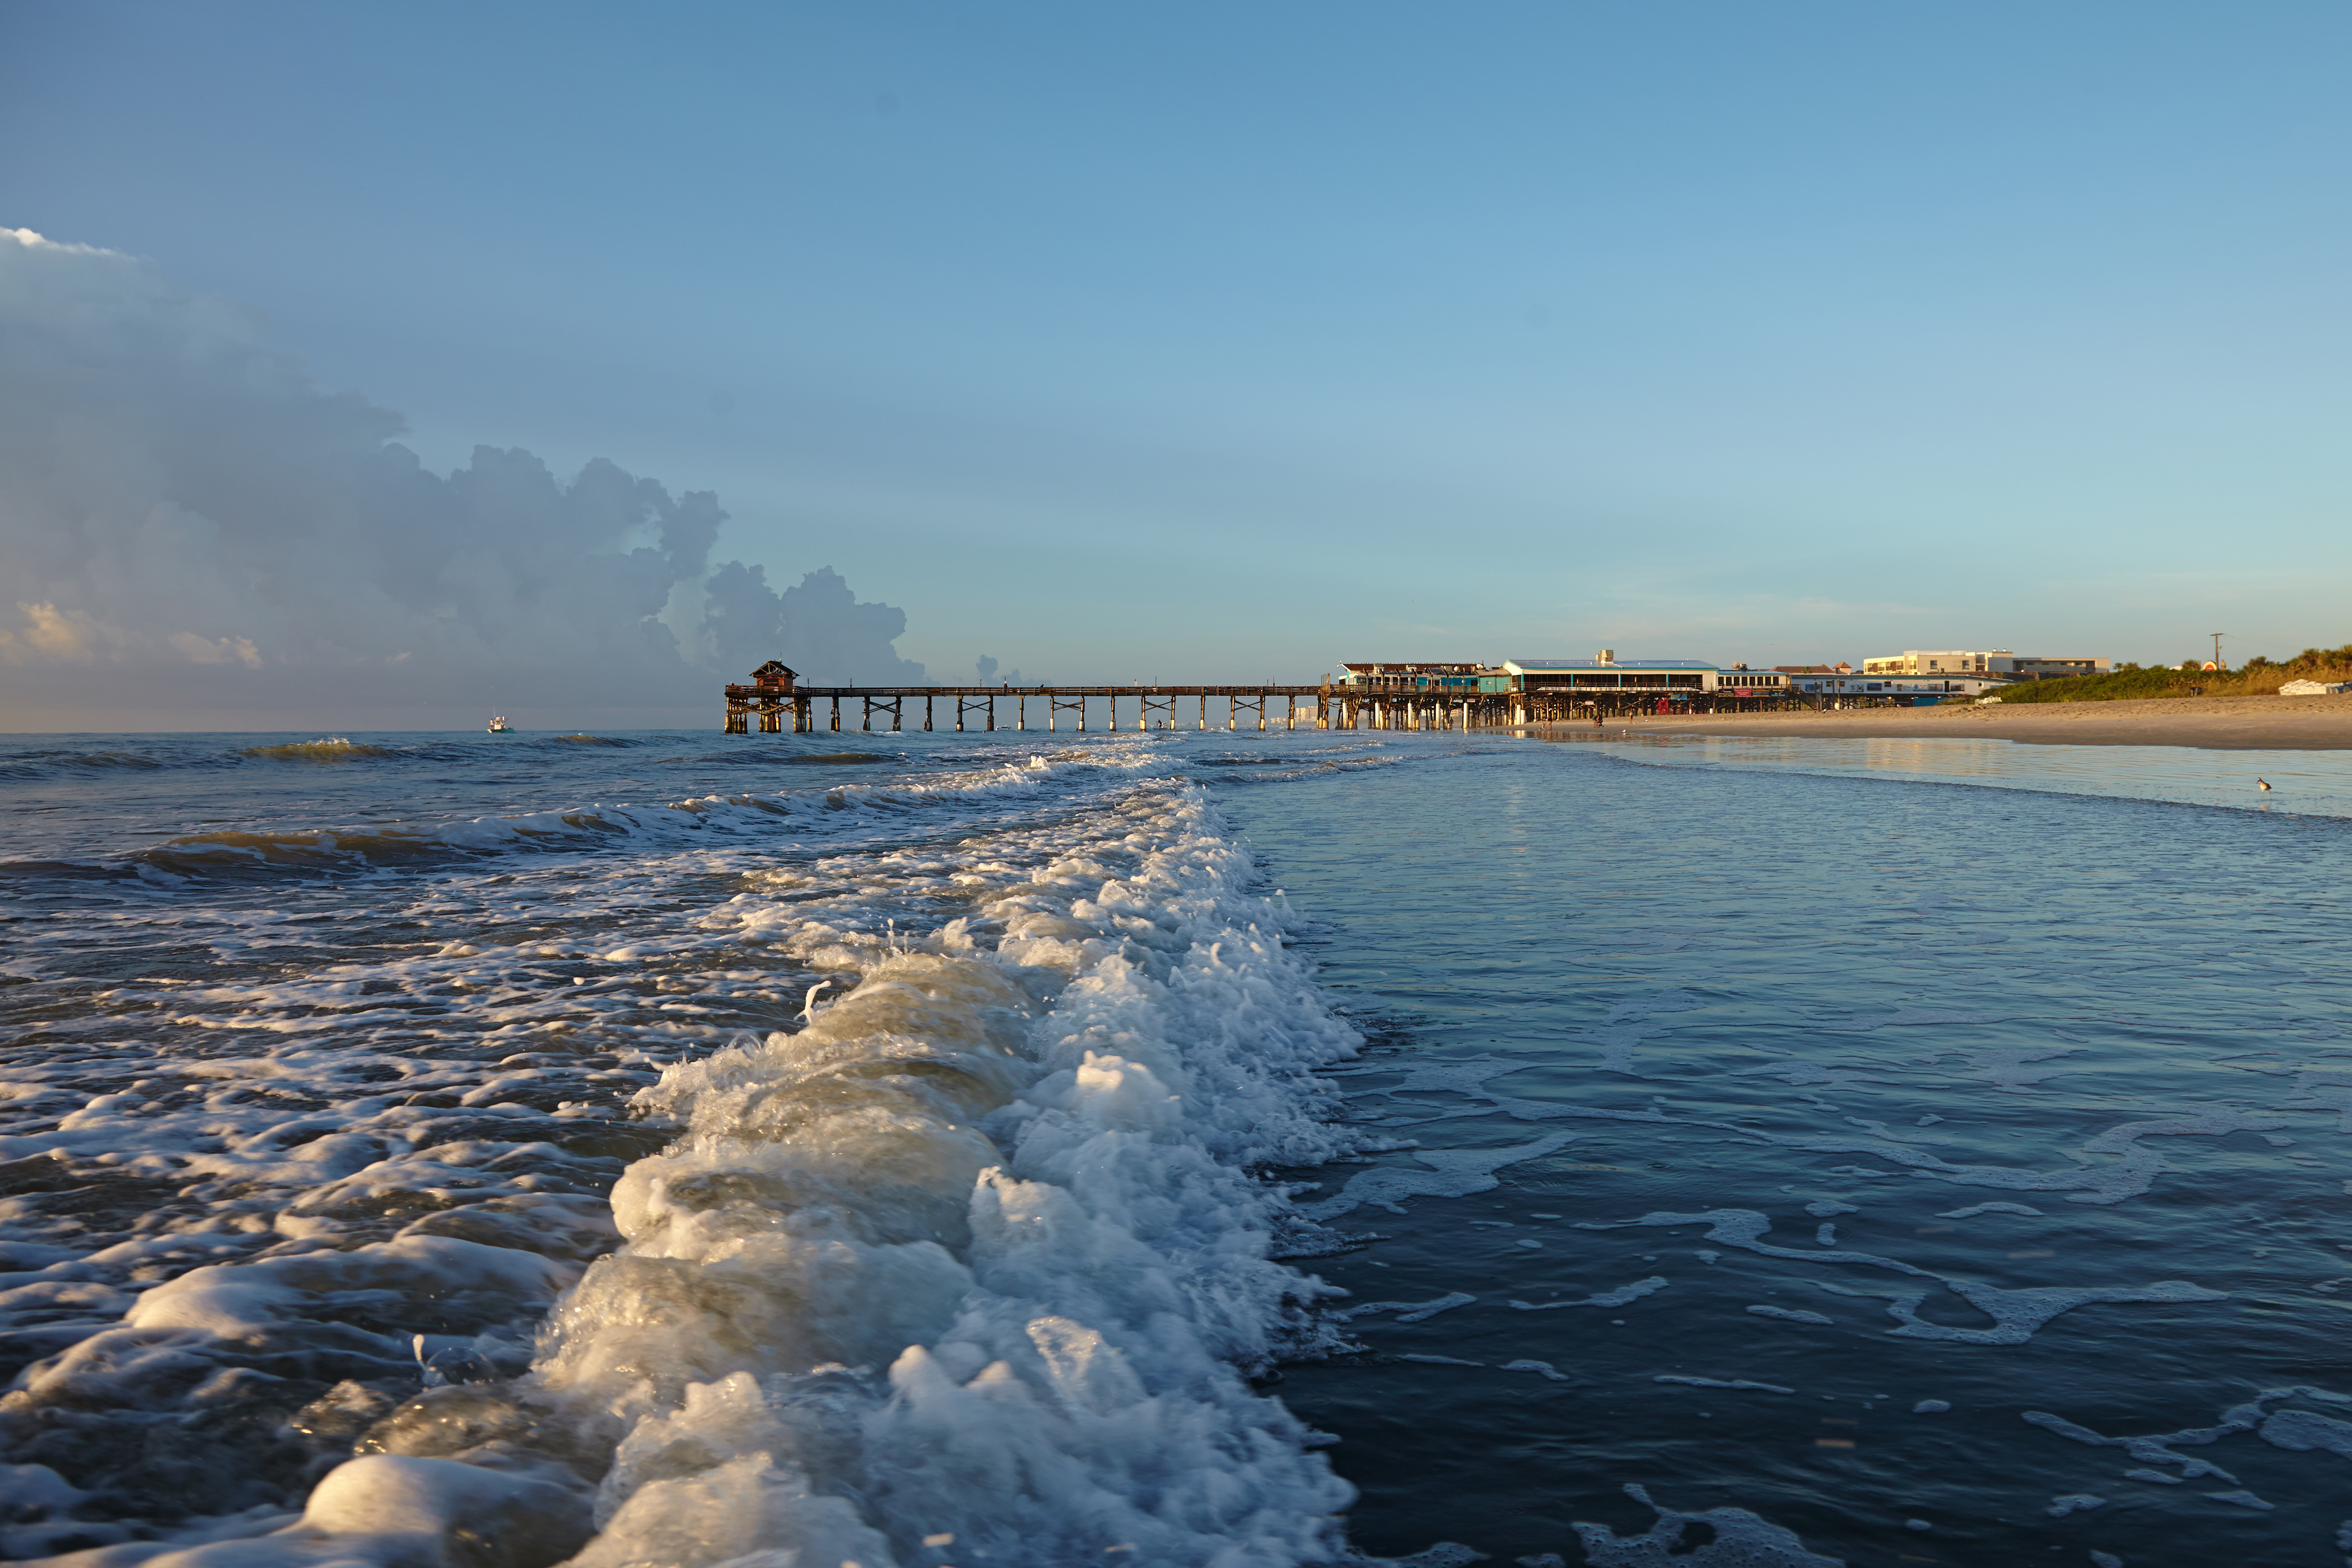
<point x="1212" y="342"/>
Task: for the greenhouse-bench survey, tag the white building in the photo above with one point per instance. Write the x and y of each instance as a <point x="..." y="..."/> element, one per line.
<point x="1882" y="689"/>
<point x="1989" y="662"/>
<point x="1912" y="662"/>
<point x="1652" y="676"/>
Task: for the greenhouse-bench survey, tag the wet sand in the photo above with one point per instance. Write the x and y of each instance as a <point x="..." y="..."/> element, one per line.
<point x="2219" y="724"/>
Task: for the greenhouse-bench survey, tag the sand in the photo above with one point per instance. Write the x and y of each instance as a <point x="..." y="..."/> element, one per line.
<point x="2218" y="723"/>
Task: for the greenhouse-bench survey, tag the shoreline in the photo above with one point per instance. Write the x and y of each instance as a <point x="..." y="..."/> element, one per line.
<point x="2211" y="723"/>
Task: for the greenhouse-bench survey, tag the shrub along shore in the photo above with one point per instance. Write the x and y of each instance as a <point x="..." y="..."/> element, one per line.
<point x="2258" y="676"/>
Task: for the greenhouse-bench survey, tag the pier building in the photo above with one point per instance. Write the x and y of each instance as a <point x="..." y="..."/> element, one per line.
<point x="1412" y="678"/>
<point x="1536" y="690"/>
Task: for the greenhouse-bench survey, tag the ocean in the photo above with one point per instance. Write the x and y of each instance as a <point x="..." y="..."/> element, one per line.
<point x="1229" y="1149"/>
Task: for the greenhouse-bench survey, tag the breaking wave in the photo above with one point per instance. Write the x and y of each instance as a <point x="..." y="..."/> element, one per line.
<point x="327" y="749"/>
<point x="970" y="1261"/>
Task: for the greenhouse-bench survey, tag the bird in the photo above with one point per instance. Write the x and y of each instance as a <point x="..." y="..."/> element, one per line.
<point x="2261" y="783"/>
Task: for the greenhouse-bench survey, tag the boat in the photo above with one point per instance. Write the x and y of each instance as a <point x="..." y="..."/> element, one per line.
<point x="498" y="725"/>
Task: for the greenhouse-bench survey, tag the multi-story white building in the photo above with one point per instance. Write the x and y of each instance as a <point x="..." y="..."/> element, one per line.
<point x="1997" y="661"/>
<point x="1912" y="661"/>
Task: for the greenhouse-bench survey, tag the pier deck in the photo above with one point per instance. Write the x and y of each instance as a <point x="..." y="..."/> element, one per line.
<point x="1326" y="706"/>
<point x="1155" y="705"/>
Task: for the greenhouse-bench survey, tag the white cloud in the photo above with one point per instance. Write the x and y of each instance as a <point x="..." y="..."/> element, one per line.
<point x="186" y="516"/>
<point x="50" y="634"/>
<point x="216" y="650"/>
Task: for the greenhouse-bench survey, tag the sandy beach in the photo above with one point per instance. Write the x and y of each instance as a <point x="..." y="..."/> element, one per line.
<point x="2220" y="723"/>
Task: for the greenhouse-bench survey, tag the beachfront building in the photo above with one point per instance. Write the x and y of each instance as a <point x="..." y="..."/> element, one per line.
<point x="1537" y="689"/>
<point x="1388" y="676"/>
<point x="2037" y="667"/>
<point x="1830" y="687"/>
<point x="1912" y="662"/>
<point x="1605" y="672"/>
<point x="1999" y="662"/>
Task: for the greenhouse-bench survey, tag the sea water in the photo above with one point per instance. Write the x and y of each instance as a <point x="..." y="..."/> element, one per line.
<point x="1178" y="1147"/>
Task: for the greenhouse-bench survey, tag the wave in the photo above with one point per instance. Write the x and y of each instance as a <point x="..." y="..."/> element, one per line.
<point x="180" y="753"/>
<point x="41" y="765"/>
<point x="828" y="811"/>
<point x="966" y="1215"/>
<point x="979" y="1259"/>
<point x="329" y="749"/>
<point x="1288" y="770"/>
<point x="1011" y="772"/>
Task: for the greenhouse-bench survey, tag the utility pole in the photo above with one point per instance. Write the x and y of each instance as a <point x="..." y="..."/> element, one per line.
<point x="2216" y="651"/>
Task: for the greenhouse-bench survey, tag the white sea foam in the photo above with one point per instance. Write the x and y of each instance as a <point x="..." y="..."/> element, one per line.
<point x="1408" y="1311"/>
<point x="1061" y="1324"/>
<point x="1443" y="1172"/>
<point x="1739" y="1383"/>
<point x="1735" y="1538"/>
<point x="1790" y="1314"/>
<point x="2016" y="1314"/>
<point x="979" y="1252"/>
<point x="1542" y="1368"/>
<point x="1620" y="1297"/>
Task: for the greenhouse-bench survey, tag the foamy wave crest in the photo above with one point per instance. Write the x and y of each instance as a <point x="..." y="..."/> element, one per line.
<point x="972" y="1268"/>
<point x="327" y="749"/>
<point x="1015" y="1179"/>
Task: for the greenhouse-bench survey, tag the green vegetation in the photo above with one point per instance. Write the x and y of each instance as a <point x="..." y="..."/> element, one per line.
<point x="2258" y="676"/>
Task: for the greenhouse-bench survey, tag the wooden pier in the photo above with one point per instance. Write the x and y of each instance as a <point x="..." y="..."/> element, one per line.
<point x="1008" y="707"/>
<point x="773" y="694"/>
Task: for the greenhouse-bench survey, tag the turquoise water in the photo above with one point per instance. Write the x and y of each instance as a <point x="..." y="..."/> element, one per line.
<point x="1910" y="1152"/>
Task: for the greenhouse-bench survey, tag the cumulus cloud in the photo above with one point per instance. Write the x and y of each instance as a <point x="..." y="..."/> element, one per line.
<point x="185" y="518"/>
<point x="987" y="666"/>
<point x="819" y="628"/>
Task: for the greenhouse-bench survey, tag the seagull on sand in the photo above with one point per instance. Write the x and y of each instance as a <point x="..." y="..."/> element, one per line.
<point x="2261" y="783"/>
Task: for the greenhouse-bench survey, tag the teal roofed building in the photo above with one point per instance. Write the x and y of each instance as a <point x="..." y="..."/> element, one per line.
<point x="1405" y="678"/>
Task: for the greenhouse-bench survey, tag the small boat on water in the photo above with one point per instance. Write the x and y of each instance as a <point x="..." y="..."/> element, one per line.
<point x="498" y="725"/>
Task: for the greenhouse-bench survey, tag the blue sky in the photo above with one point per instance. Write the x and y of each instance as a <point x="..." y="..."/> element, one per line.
<point x="1225" y="342"/>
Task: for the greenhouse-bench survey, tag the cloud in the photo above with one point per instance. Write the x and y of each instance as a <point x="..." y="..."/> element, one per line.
<point x="48" y="634"/>
<point x="819" y="628"/>
<point x="216" y="650"/>
<point x="186" y="519"/>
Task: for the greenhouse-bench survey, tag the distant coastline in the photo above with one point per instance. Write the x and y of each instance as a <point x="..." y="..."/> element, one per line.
<point x="2219" y="724"/>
